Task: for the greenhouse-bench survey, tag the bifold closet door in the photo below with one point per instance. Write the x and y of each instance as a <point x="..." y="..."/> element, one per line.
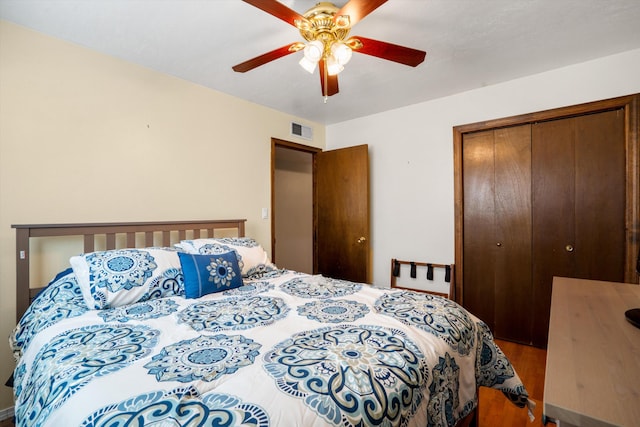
<point x="514" y="292"/>
<point x="478" y="156"/>
<point x="497" y="229"/>
<point x="578" y="193"/>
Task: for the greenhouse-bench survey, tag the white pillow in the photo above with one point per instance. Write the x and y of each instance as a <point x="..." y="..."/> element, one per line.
<point x="119" y="277"/>
<point x="252" y="257"/>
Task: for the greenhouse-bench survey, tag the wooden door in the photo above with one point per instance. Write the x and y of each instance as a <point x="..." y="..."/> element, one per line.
<point x="553" y="158"/>
<point x="497" y="229"/>
<point x="513" y="289"/>
<point x="585" y="201"/>
<point x="600" y="196"/>
<point x="578" y="167"/>
<point x="342" y="212"/>
<point x="478" y="154"/>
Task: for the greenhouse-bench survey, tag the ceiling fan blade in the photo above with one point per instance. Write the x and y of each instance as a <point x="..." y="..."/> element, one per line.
<point x="266" y="57"/>
<point x="329" y="84"/>
<point x="391" y="52"/>
<point x="358" y="9"/>
<point x="277" y="9"/>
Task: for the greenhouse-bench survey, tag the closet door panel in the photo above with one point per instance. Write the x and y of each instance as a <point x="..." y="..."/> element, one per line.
<point x="513" y="291"/>
<point x="600" y="196"/>
<point x="553" y="193"/>
<point x="584" y="208"/>
<point x="479" y="240"/>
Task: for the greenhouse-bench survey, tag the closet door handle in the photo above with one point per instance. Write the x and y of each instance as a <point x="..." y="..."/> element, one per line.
<point x="568" y="248"/>
<point x="498" y="244"/>
<point x="362" y="240"/>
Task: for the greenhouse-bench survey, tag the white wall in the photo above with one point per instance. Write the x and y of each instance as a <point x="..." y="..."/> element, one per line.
<point x="411" y="151"/>
<point x="85" y="137"/>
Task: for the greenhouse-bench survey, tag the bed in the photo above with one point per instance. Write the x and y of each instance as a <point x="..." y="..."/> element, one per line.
<point x="181" y="327"/>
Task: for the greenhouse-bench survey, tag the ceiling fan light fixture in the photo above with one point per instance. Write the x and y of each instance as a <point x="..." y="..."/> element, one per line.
<point x="341" y="52"/>
<point x="333" y="66"/>
<point x="325" y="29"/>
<point x="308" y="65"/>
<point x="314" y="50"/>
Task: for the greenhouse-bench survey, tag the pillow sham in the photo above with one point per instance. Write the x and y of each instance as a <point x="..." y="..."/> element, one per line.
<point x="206" y="274"/>
<point x="118" y="277"/>
<point x="252" y="258"/>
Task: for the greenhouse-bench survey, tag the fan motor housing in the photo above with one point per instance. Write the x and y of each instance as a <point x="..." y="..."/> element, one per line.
<point x="320" y="24"/>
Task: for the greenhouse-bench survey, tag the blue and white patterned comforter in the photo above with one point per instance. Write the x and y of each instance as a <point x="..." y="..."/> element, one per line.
<point x="285" y="349"/>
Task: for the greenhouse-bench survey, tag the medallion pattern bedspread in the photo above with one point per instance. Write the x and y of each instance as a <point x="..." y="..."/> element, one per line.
<point x="284" y="349"/>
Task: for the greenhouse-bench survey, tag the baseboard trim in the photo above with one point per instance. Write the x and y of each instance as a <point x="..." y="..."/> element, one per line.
<point x="6" y="414"/>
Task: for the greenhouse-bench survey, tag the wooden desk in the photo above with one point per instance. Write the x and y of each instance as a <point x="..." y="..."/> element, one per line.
<point x="593" y="356"/>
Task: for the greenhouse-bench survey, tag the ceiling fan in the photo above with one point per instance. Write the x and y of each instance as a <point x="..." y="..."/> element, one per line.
<point x="325" y="27"/>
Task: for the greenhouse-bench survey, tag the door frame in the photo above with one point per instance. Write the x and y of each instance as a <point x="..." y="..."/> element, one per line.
<point x="631" y="106"/>
<point x="275" y="142"/>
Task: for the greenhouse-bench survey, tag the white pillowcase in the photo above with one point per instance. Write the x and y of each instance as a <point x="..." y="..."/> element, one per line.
<point x="119" y="277"/>
<point x="252" y="257"/>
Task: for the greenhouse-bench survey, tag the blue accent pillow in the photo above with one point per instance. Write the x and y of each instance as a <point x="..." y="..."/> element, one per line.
<point x="252" y="257"/>
<point x="206" y="274"/>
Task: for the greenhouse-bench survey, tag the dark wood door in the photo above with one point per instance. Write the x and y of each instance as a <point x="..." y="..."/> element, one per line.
<point x="478" y="158"/>
<point x="513" y="289"/>
<point x="497" y="229"/>
<point x="584" y="204"/>
<point x="578" y="168"/>
<point x="541" y="200"/>
<point x="342" y="212"/>
<point x="600" y="196"/>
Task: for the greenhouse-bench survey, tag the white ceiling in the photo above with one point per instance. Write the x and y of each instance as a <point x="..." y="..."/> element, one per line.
<point x="469" y="44"/>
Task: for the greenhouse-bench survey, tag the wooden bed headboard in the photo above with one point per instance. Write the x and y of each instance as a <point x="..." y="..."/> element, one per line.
<point x="112" y="233"/>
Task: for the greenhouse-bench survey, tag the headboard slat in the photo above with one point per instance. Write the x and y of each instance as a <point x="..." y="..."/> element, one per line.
<point x="89" y="243"/>
<point x="111" y="241"/>
<point x="23" y="297"/>
<point x="89" y="232"/>
<point x="148" y="238"/>
<point x="131" y="239"/>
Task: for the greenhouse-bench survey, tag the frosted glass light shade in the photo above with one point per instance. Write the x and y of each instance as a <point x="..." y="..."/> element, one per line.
<point x="333" y="66"/>
<point x="341" y="52"/>
<point x="310" y="66"/>
<point x="313" y="50"/>
<point x="312" y="54"/>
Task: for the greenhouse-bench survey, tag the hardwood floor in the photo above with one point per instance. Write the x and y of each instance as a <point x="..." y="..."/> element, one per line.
<point x="495" y="409"/>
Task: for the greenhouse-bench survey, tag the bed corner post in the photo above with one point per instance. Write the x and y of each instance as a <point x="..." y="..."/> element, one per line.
<point x="22" y="270"/>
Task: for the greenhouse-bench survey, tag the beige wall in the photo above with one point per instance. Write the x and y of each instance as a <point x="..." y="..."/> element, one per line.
<point x="85" y="137"/>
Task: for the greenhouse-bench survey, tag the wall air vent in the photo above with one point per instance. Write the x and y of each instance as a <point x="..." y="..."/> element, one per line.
<point x="301" y="131"/>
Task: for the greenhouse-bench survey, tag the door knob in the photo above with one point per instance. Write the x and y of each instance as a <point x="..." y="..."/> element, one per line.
<point x="498" y="244"/>
<point x="362" y="239"/>
<point x="568" y="248"/>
